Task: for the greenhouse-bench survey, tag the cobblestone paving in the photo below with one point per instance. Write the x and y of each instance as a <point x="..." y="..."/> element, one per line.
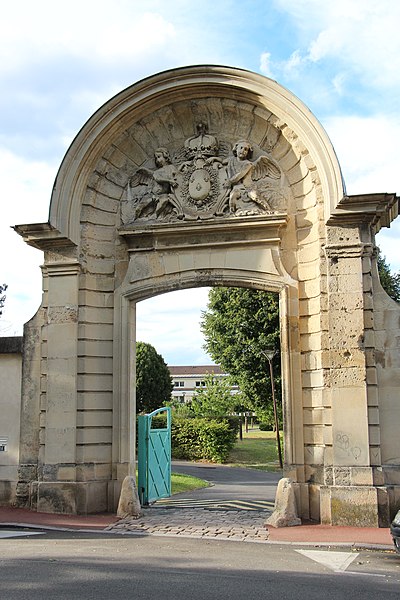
<point x="240" y="525"/>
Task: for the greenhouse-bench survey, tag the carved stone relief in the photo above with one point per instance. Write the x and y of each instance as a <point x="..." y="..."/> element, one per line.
<point x="205" y="178"/>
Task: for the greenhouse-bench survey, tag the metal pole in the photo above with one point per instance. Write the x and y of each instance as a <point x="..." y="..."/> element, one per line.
<point x="278" y="439"/>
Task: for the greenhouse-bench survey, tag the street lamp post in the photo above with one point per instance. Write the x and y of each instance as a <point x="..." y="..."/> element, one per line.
<point x="269" y="355"/>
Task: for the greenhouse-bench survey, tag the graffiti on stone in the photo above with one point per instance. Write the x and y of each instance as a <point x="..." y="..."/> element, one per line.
<point x="343" y="442"/>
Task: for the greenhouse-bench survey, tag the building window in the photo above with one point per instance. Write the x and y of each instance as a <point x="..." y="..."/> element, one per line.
<point x="179" y="383"/>
<point x="200" y="383"/>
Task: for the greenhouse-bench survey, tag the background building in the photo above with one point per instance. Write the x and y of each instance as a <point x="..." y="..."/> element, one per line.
<point x="188" y="379"/>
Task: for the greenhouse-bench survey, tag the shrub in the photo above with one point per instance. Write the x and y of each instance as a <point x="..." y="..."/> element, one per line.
<point x="265" y="426"/>
<point x="202" y="439"/>
<point x="196" y="438"/>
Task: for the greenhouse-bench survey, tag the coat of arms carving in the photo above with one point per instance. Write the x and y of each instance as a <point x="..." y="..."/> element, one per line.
<point x="205" y="178"/>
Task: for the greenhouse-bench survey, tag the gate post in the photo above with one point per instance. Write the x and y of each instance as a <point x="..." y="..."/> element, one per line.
<point x="143" y="437"/>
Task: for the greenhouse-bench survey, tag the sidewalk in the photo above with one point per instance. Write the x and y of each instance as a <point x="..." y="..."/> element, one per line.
<point x="223" y="525"/>
<point x="363" y="537"/>
<point x="24" y="517"/>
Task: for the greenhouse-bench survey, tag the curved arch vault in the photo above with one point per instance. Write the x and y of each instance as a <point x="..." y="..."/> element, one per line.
<point x="200" y="176"/>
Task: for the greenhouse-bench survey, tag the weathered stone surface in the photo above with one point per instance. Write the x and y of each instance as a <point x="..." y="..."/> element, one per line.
<point x="57" y="498"/>
<point x="129" y="505"/>
<point x="285" y="512"/>
<point x="347" y="505"/>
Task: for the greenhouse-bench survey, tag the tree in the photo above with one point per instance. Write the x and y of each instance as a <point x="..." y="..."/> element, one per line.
<point x="214" y="399"/>
<point x="153" y="379"/>
<point x="3" y="288"/>
<point x="239" y="324"/>
<point x="390" y="281"/>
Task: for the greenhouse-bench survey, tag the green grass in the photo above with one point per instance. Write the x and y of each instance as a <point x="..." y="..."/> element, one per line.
<point x="186" y="483"/>
<point x="183" y="483"/>
<point x="257" y="450"/>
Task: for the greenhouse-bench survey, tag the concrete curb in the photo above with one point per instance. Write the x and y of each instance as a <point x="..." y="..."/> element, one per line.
<point x="322" y="544"/>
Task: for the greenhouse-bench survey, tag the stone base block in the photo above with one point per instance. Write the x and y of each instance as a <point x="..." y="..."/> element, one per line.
<point x="7" y="492"/>
<point x="393" y="494"/>
<point x="114" y="492"/>
<point x="348" y="505"/>
<point x="74" y="498"/>
<point x="314" y="503"/>
<point x="355" y="506"/>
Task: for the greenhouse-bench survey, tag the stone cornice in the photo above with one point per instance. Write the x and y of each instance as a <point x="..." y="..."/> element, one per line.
<point x="219" y="232"/>
<point x="42" y="236"/>
<point x="57" y="269"/>
<point x="377" y="210"/>
<point x="346" y="250"/>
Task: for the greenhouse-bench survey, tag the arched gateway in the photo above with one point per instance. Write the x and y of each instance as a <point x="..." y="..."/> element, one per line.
<point x="200" y="176"/>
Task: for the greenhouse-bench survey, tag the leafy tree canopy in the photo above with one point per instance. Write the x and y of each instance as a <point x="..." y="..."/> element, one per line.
<point x="390" y="281"/>
<point x="239" y="325"/>
<point x="153" y="379"/>
<point x="214" y="399"/>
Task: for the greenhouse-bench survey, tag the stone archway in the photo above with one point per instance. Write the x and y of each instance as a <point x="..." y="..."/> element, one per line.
<point x="210" y="175"/>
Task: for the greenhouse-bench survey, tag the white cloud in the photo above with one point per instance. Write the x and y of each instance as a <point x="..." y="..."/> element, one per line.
<point x="361" y="35"/>
<point x="265" y="64"/>
<point x="171" y="323"/>
<point x="293" y="63"/>
<point x="90" y="29"/>
<point x="339" y="83"/>
<point x="367" y="150"/>
<point x="130" y="37"/>
<point x="328" y="42"/>
<point x="388" y="242"/>
<point x="26" y="188"/>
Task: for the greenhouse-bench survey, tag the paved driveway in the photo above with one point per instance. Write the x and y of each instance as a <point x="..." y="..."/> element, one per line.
<point x="234" y="507"/>
<point x="230" y="482"/>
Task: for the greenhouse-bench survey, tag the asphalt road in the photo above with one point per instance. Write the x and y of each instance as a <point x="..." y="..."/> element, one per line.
<point x="230" y="482"/>
<point x="103" y="566"/>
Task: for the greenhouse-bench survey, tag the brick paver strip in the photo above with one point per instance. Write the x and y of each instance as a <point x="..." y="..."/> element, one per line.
<point x="197" y="522"/>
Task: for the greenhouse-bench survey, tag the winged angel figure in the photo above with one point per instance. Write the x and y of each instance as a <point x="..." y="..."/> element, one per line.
<point x="159" y="186"/>
<point x="251" y="183"/>
<point x="206" y="181"/>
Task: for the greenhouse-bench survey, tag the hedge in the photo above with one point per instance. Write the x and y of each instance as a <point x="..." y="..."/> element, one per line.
<point x="202" y="439"/>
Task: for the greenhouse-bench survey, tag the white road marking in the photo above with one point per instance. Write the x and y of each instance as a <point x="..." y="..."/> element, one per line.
<point x="337" y="561"/>
<point x="212" y="504"/>
<point x="10" y="533"/>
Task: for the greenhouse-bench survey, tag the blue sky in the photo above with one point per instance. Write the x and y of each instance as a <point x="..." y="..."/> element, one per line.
<point x="60" y="61"/>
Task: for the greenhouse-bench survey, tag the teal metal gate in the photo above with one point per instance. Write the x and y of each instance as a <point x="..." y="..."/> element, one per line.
<point x="154" y="458"/>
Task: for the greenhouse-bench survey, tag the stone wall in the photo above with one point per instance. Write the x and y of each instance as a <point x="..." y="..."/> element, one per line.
<point x="10" y="409"/>
<point x="383" y="393"/>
